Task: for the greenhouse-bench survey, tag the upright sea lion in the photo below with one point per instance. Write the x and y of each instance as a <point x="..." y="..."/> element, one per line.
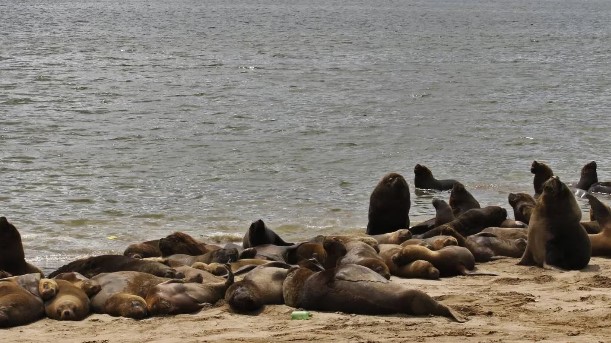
<point x="589" y="180"/>
<point x="542" y="173"/>
<point x="472" y="221"/>
<point x="70" y="303"/>
<point x="182" y="243"/>
<point x="143" y="249"/>
<point x="395" y="237"/>
<point x="12" y="257"/>
<point x="261" y="286"/>
<point x="601" y="242"/>
<point x="423" y="179"/>
<point x="91" y="266"/>
<point x="461" y="200"/>
<point x="18" y="305"/>
<point x="555" y="236"/>
<point x="258" y="234"/>
<point x="416" y="269"/>
<point x="364" y="255"/>
<point x="389" y="205"/>
<point x="356" y="289"/>
<point x="522" y="204"/>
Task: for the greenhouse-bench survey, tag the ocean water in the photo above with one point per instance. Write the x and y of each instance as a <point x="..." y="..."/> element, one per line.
<point x="123" y="121"/>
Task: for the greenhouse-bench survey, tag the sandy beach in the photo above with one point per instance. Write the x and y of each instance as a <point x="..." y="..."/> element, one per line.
<point x="521" y="304"/>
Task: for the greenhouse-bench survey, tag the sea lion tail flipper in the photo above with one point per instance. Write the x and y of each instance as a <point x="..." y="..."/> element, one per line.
<point x="423" y="304"/>
<point x="474" y="272"/>
<point x="229" y="276"/>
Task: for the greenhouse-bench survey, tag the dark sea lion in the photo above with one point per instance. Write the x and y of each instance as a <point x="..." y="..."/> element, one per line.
<point x="12" y="257"/>
<point x="555" y="236"/>
<point x="182" y="243"/>
<point x="461" y="200"/>
<point x="591" y="227"/>
<point x="356" y="289"/>
<point x="443" y="215"/>
<point x="259" y="234"/>
<point x="450" y="260"/>
<point x="472" y="221"/>
<point x="417" y="269"/>
<point x="143" y="249"/>
<point x="363" y="254"/>
<point x="601" y="242"/>
<point x="122" y="293"/>
<point x="499" y="246"/>
<point x="370" y="240"/>
<point x="261" y="286"/>
<point x="395" y="237"/>
<point x="522" y="204"/>
<point x="588" y="180"/>
<point x="91" y="266"/>
<point x="89" y="286"/>
<point x="542" y="173"/>
<point x="70" y="303"/>
<point x="389" y="205"/>
<point x="423" y="179"/>
<point x="20" y="302"/>
<point x="178" y="296"/>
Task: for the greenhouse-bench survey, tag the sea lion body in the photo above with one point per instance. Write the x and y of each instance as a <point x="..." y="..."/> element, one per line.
<point x="219" y="256"/>
<point x="261" y="286"/>
<point x="20" y="302"/>
<point x="507" y="233"/>
<point x="461" y="200"/>
<point x="259" y="234"/>
<point x="423" y="179"/>
<point x="395" y="237"/>
<point x="472" y="221"/>
<point x="182" y="243"/>
<point x="143" y="249"/>
<point x="499" y="246"/>
<point x="555" y="236"/>
<point x="450" y="260"/>
<point x="91" y="266"/>
<point x="363" y="254"/>
<point x="70" y="303"/>
<point x="389" y="205"/>
<point x="588" y="180"/>
<point x="443" y="215"/>
<point x="522" y="204"/>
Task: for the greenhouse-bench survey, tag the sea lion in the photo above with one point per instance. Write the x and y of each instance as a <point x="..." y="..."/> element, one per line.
<point x="461" y="200"/>
<point x="542" y="173"/>
<point x="588" y="181"/>
<point x="259" y="234"/>
<point x="498" y="246"/>
<point x="417" y="269"/>
<point x="356" y="289"/>
<point x="182" y="243"/>
<point x="507" y="233"/>
<point x="423" y="179"/>
<point x="91" y="266"/>
<point x="513" y="224"/>
<point x="70" y="303"/>
<point x="364" y="255"/>
<point x="395" y="237"/>
<point x="143" y="249"/>
<point x="178" y="296"/>
<point x="370" y="240"/>
<point x="601" y="242"/>
<point x="20" y="302"/>
<point x="89" y="286"/>
<point x="12" y="257"/>
<point x="522" y="204"/>
<point x="443" y="215"/>
<point x="450" y="260"/>
<point x="261" y="286"/>
<point x="389" y="205"/>
<point x="472" y="221"/>
<point x="219" y="256"/>
<point x="555" y="236"/>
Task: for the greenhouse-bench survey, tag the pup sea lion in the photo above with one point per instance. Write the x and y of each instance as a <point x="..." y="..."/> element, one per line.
<point x="364" y="255"/>
<point x="542" y="173"/>
<point x="20" y="301"/>
<point x="12" y="257"/>
<point x="601" y="242"/>
<point x="555" y="236"/>
<point x="258" y="234"/>
<point x="70" y="303"/>
<point x="182" y="243"/>
<point x="450" y="260"/>
<point x="416" y="269"/>
<point x="588" y="180"/>
<point x="522" y="204"/>
<point x="395" y="237"/>
<point x="461" y="200"/>
<point x="389" y="205"/>
<point x="91" y="266"/>
<point x="356" y="289"/>
<point x="261" y="286"/>
<point x="423" y="179"/>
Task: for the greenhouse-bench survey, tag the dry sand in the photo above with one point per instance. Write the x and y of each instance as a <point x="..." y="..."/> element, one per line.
<point x="522" y="304"/>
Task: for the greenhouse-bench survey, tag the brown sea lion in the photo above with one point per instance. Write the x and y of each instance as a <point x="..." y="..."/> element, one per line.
<point x="89" y="286"/>
<point x="423" y="179"/>
<point x="356" y="289"/>
<point x="259" y="234"/>
<point x="178" y="296"/>
<point x="450" y="260"/>
<point x="555" y="236"/>
<point x="461" y="200"/>
<point x="91" y="266"/>
<point x="395" y="237"/>
<point x="389" y="205"/>
<point x="416" y="269"/>
<point x="12" y="257"/>
<point x="70" y="303"/>
<point x="542" y="173"/>
<point x="601" y="242"/>
<point x="261" y="286"/>
<point x="588" y="180"/>
<point x="507" y="233"/>
<point x="182" y="243"/>
<point x="472" y="221"/>
<point x="363" y="254"/>
<point x="498" y="246"/>
<point x="219" y="256"/>
<point x="370" y="240"/>
<point x="20" y="302"/>
<point x="522" y="204"/>
<point x="143" y="249"/>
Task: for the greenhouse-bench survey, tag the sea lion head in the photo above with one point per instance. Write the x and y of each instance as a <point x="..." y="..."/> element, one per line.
<point x="181" y="243"/>
<point x="335" y="249"/>
<point x="588" y="176"/>
<point x="244" y="296"/>
<point x="554" y="187"/>
<point x="421" y="170"/>
<point x="47" y="288"/>
<point x="126" y="305"/>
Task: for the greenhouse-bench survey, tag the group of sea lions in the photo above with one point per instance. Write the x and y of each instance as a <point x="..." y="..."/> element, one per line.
<point x="349" y="273"/>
